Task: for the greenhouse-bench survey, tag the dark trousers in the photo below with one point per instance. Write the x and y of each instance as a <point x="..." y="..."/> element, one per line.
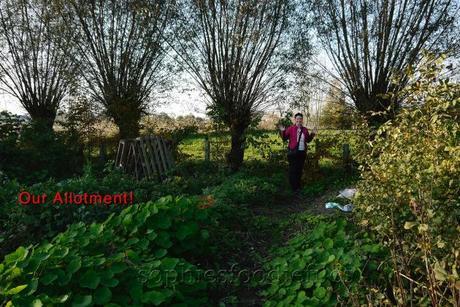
<point x="296" y="164"/>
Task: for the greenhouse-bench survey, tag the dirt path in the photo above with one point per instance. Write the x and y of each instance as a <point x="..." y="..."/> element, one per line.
<point x="261" y="244"/>
<point x="298" y="204"/>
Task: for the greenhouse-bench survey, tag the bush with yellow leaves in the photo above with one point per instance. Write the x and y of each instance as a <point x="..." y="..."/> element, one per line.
<point x="410" y="191"/>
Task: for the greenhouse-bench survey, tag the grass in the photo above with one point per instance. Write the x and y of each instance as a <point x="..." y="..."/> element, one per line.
<point x="261" y="145"/>
<point x="193" y="147"/>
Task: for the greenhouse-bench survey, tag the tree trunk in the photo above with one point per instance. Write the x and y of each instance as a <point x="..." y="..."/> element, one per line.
<point x="126" y="116"/>
<point x="366" y="105"/>
<point x="129" y="128"/>
<point x="43" y="119"/>
<point x="236" y="155"/>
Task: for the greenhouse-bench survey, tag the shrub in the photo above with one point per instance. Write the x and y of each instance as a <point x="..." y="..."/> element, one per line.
<point x="337" y="113"/>
<point x="409" y="193"/>
<point x="322" y="267"/>
<point x="10" y="126"/>
<point x="133" y="258"/>
<point x="237" y="225"/>
<point x="31" y="153"/>
<point x="46" y="220"/>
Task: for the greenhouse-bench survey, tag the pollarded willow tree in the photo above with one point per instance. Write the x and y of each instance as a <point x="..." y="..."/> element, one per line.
<point x="33" y="66"/>
<point x="230" y="49"/>
<point x="121" y="53"/>
<point x="373" y="43"/>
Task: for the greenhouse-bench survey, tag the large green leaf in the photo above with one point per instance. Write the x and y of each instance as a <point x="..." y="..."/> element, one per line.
<point x="154" y="297"/>
<point x="319" y="292"/>
<point x="16" y="290"/>
<point x="118" y="267"/>
<point x="82" y="300"/>
<point x="96" y="229"/>
<point x="32" y="287"/>
<point x="110" y="282"/>
<point x="60" y="252"/>
<point x="18" y="255"/>
<point x="102" y="296"/>
<point x="90" y="279"/>
<point x="48" y="278"/>
<point x="162" y="221"/>
<point x="37" y="303"/>
<point x="163" y="240"/>
<point x="186" y="230"/>
<point x="169" y="263"/>
<point x="135" y="291"/>
<point x="160" y="253"/>
<point x="74" y="265"/>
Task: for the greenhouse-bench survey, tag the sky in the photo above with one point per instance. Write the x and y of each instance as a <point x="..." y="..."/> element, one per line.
<point x="178" y="103"/>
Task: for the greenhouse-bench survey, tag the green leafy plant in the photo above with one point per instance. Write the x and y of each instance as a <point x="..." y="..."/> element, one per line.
<point x="266" y="144"/>
<point x="46" y="220"/>
<point x="324" y="266"/>
<point x="285" y="121"/>
<point x="132" y="258"/>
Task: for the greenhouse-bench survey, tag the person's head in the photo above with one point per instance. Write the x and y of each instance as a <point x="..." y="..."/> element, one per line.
<point x="298" y="119"/>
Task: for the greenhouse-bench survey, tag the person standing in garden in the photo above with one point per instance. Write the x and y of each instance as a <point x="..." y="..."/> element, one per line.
<point x="298" y="137"/>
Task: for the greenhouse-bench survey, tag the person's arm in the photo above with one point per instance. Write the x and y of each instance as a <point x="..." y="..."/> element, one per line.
<point x="311" y="135"/>
<point x="284" y="133"/>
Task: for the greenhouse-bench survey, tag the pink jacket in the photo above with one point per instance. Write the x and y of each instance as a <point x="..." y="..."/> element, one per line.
<point x="291" y="134"/>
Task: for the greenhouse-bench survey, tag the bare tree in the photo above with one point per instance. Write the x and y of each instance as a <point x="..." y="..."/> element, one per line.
<point x="33" y="66"/>
<point x="372" y="43"/>
<point x="229" y="47"/>
<point x="121" y="52"/>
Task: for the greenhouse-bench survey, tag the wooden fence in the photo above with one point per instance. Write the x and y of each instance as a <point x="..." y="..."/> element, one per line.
<point x="321" y="151"/>
<point x="144" y="157"/>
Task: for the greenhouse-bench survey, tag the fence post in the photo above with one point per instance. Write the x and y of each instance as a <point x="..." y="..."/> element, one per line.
<point x="315" y="158"/>
<point x="346" y="158"/>
<point x="317" y="149"/>
<point x="102" y="152"/>
<point x="206" y="148"/>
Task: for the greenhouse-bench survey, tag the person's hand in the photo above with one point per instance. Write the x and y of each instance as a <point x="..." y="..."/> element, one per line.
<point x="315" y="130"/>
<point x="282" y="128"/>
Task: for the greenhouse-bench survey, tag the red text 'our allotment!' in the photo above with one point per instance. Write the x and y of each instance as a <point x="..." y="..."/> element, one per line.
<point x="66" y="198"/>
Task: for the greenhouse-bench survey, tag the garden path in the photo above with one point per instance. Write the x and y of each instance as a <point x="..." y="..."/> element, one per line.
<point x="283" y="218"/>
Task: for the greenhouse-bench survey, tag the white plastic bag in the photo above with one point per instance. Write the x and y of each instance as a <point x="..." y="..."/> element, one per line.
<point x="347" y="193"/>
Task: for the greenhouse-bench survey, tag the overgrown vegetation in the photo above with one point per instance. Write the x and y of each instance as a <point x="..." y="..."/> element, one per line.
<point x="221" y="226"/>
<point x="47" y="219"/>
<point x="328" y="265"/>
<point x="32" y="153"/>
<point x="132" y="258"/>
<point x="409" y="194"/>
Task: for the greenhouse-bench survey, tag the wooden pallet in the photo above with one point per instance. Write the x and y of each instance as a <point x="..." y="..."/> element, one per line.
<point x="144" y="157"/>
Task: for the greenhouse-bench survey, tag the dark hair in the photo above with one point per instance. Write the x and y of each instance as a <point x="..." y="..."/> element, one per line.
<point x="298" y="114"/>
